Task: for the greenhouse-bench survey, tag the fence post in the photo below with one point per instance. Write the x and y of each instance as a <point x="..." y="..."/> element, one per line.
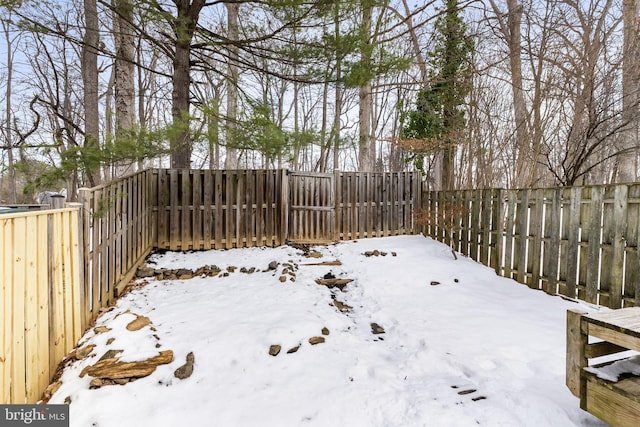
<point x="284" y="207"/>
<point x="84" y="222"/>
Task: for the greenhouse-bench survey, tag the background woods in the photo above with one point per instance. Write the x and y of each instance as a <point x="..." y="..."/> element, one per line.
<point x="476" y="94"/>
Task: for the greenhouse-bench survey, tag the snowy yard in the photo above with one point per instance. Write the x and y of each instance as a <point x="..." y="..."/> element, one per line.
<point x="455" y="345"/>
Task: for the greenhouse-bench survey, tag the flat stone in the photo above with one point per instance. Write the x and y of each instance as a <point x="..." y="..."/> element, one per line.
<point x="139" y="323"/>
<point x="283" y="279"/>
<point x="185" y="370"/>
<point x="376" y="329"/>
<point x="325" y="331"/>
<point x="314" y="254"/>
<point x="341" y="306"/>
<point x="113" y="368"/>
<point x="110" y="354"/>
<point x="316" y="340"/>
<point x="293" y="349"/>
<point x="83" y="352"/>
<point x="274" y="350"/>
<point x="101" y="329"/>
<point x="435" y="283"/>
<point x="145" y="272"/>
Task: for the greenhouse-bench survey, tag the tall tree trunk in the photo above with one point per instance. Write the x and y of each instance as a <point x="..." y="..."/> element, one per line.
<point x="90" y="82"/>
<point x="184" y="27"/>
<point x="510" y="29"/>
<point x="13" y="194"/>
<point x="338" y="93"/>
<point x="366" y="154"/>
<point x="231" y="159"/>
<point x="628" y="159"/>
<point x="124" y="78"/>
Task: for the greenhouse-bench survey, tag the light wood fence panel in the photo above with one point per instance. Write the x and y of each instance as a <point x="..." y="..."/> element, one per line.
<point x="41" y="295"/>
<point x="580" y="242"/>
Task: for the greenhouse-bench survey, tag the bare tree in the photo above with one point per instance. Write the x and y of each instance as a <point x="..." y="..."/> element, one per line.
<point x="629" y="141"/>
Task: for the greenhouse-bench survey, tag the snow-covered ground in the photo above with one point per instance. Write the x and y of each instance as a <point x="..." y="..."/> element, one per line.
<point x="461" y="346"/>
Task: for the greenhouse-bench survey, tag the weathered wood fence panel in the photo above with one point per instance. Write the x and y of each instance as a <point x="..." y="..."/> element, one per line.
<point x="117" y="236"/>
<point x="376" y="204"/>
<point x="41" y="294"/>
<point x="214" y="209"/>
<point x="581" y="242"/>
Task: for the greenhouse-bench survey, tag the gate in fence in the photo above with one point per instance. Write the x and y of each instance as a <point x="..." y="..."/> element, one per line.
<point x="312" y="208"/>
<point x="327" y="207"/>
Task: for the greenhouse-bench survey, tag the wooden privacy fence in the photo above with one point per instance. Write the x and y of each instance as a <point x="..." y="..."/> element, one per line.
<point x="41" y="294"/>
<point x="59" y="268"/>
<point x="581" y="242"/>
<point x="213" y="209"/>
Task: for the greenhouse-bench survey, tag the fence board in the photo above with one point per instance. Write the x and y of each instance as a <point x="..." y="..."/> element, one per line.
<point x="593" y="250"/>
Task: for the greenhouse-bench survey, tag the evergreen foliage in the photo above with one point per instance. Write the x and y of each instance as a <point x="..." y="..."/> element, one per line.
<point x="438" y="117"/>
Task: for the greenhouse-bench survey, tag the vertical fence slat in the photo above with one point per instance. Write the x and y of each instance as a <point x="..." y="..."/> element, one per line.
<point x="620" y="215"/>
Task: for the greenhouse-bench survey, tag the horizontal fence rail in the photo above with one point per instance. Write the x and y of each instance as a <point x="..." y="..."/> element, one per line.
<point x="581" y="242"/>
<point x="41" y="294"/>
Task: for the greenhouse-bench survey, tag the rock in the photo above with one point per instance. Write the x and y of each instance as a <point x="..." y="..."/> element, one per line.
<point x="394" y="254"/>
<point x="316" y="340"/>
<point x="251" y="270"/>
<point x="51" y="390"/>
<point x="243" y="270"/>
<point x="293" y="349"/>
<point x="184" y="274"/>
<point x="114" y="369"/>
<point x="434" y="283"/>
<point x="67" y="400"/>
<point x="285" y="271"/>
<point x="368" y="254"/>
<point x="274" y="350"/>
<point x="110" y="341"/>
<point x="121" y="381"/>
<point x="96" y="383"/>
<point x="456" y="280"/>
<point x="145" y="272"/>
<point x="101" y="329"/>
<point x="376" y="329"/>
<point x="341" y="306"/>
<point x="185" y="370"/>
<point x="314" y="254"/>
<point x="273" y="265"/>
<point x="334" y="283"/>
<point x="225" y="274"/>
<point x="231" y="269"/>
<point x="376" y="253"/>
<point x="325" y="331"/>
<point x="83" y="352"/>
<point x="329" y="275"/>
<point x="383" y="253"/>
<point x="139" y="323"/>
<point x="110" y="354"/>
<point x="283" y="279"/>
<point x="293" y="279"/>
